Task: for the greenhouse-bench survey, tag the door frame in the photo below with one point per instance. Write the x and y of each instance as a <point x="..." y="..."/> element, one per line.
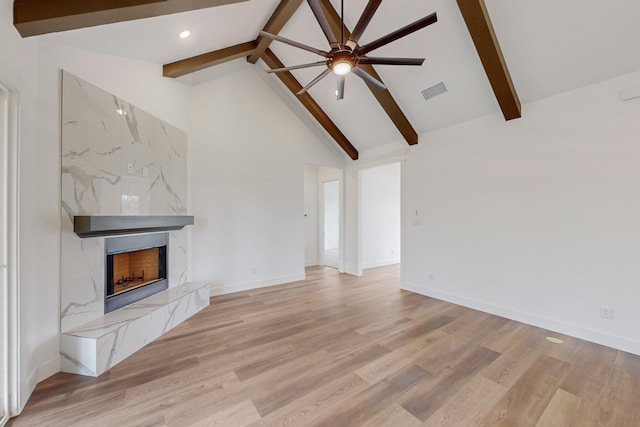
<point x="9" y="268"/>
<point x="396" y="158"/>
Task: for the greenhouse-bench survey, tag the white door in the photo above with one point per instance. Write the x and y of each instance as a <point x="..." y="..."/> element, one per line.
<point x="331" y="227"/>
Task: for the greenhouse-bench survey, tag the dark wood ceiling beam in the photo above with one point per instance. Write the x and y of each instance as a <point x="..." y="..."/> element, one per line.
<point x="197" y="63"/>
<point x="478" y="22"/>
<point x="284" y="11"/>
<point x="34" y="17"/>
<point x="384" y="97"/>
<point x="310" y="104"/>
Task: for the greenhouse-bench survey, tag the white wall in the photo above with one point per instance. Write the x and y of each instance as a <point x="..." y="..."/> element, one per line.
<point x="536" y="219"/>
<point x="34" y="71"/>
<point x="247" y="156"/>
<point x="18" y="66"/>
<point x="380" y="205"/>
<point x="311" y="255"/>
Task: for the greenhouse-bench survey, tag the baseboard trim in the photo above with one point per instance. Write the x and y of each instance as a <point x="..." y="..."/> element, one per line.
<point x="40" y="373"/>
<point x="380" y="263"/>
<point x="239" y="287"/>
<point x="620" y="343"/>
<point x="311" y="263"/>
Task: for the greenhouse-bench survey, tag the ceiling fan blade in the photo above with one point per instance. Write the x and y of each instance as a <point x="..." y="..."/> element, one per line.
<point x="324" y="23"/>
<point x="294" y="43"/>
<point x="368" y="78"/>
<point x="395" y="35"/>
<point x="363" y="22"/>
<point x="340" y="90"/>
<point x="314" y="81"/>
<point x="297" y="67"/>
<point x="390" y="61"/>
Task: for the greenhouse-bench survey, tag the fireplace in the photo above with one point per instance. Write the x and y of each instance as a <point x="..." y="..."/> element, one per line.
<point x="135" y="267"/>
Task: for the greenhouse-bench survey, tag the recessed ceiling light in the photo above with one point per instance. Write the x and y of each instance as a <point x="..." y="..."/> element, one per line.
<point x="184" y="34"/>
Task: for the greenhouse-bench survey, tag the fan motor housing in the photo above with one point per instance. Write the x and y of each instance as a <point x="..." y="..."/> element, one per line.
<point x="342" y="55"/>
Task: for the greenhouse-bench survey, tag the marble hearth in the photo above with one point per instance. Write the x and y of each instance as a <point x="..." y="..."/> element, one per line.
<point x="97" y="346"/>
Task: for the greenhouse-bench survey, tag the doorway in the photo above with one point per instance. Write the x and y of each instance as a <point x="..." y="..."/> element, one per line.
<point x="381" y="215"/>
<point x="331" y="223"/>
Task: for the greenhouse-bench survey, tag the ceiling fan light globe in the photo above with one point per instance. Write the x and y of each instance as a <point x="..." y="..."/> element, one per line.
<point x="342" y="68"/>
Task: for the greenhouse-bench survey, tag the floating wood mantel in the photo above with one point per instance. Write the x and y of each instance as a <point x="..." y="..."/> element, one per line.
<point x="104" y="225"/>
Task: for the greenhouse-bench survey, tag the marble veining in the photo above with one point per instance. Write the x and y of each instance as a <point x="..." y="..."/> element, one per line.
<point x="114" y="320"/>
<point x="101" y="344"/>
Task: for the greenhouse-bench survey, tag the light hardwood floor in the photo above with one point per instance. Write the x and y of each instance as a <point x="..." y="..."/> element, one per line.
<point x="337" y="350"/>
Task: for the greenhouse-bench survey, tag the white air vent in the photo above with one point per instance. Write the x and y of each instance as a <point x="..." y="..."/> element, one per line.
<point x="435" y="90"/>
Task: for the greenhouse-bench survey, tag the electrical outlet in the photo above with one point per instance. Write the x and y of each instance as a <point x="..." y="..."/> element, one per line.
<point x="606" y="312"/>
<point x="130" y="168"/>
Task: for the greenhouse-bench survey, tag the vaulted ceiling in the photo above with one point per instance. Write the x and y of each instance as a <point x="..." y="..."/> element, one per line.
<point x="490" y="56"/>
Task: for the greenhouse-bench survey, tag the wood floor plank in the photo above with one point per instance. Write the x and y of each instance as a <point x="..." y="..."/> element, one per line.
<point x="286" y="392"/>
<point x="419" y="331"/>
<point x="338" y="350"/>
<point x="516" y="359"/>
<point x="561" y="410"/>
<point x="428" y="397"/>
<point x="308" y="409"/>
<point x="242" y="414"/>
<point x="467" y="406"/>
<point x="590" y="372"/>
<point x="620" y="397"/>
<point x="375" y="399"/>
<point x="384" y="366"/>
<point x="527" y="400"/>
<point x="393" y="416"/>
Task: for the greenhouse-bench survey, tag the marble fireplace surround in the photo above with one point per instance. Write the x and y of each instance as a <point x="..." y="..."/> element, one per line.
<point x="117" y="161"/>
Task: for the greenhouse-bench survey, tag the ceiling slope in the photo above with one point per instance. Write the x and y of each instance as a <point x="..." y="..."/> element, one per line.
<point x="283" y="12"/>
<point x="34" y="17"/>
<point x="227" y="34"/>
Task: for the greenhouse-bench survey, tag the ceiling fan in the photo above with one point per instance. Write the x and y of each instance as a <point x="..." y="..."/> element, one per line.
<point x="344" y="58"/>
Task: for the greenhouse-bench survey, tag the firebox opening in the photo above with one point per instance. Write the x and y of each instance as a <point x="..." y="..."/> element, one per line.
<point x="136" y="267"/>
<point x="132" y="270"/>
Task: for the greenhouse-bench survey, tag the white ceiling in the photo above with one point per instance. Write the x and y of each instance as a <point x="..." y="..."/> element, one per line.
<point x="550" y="47"/>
